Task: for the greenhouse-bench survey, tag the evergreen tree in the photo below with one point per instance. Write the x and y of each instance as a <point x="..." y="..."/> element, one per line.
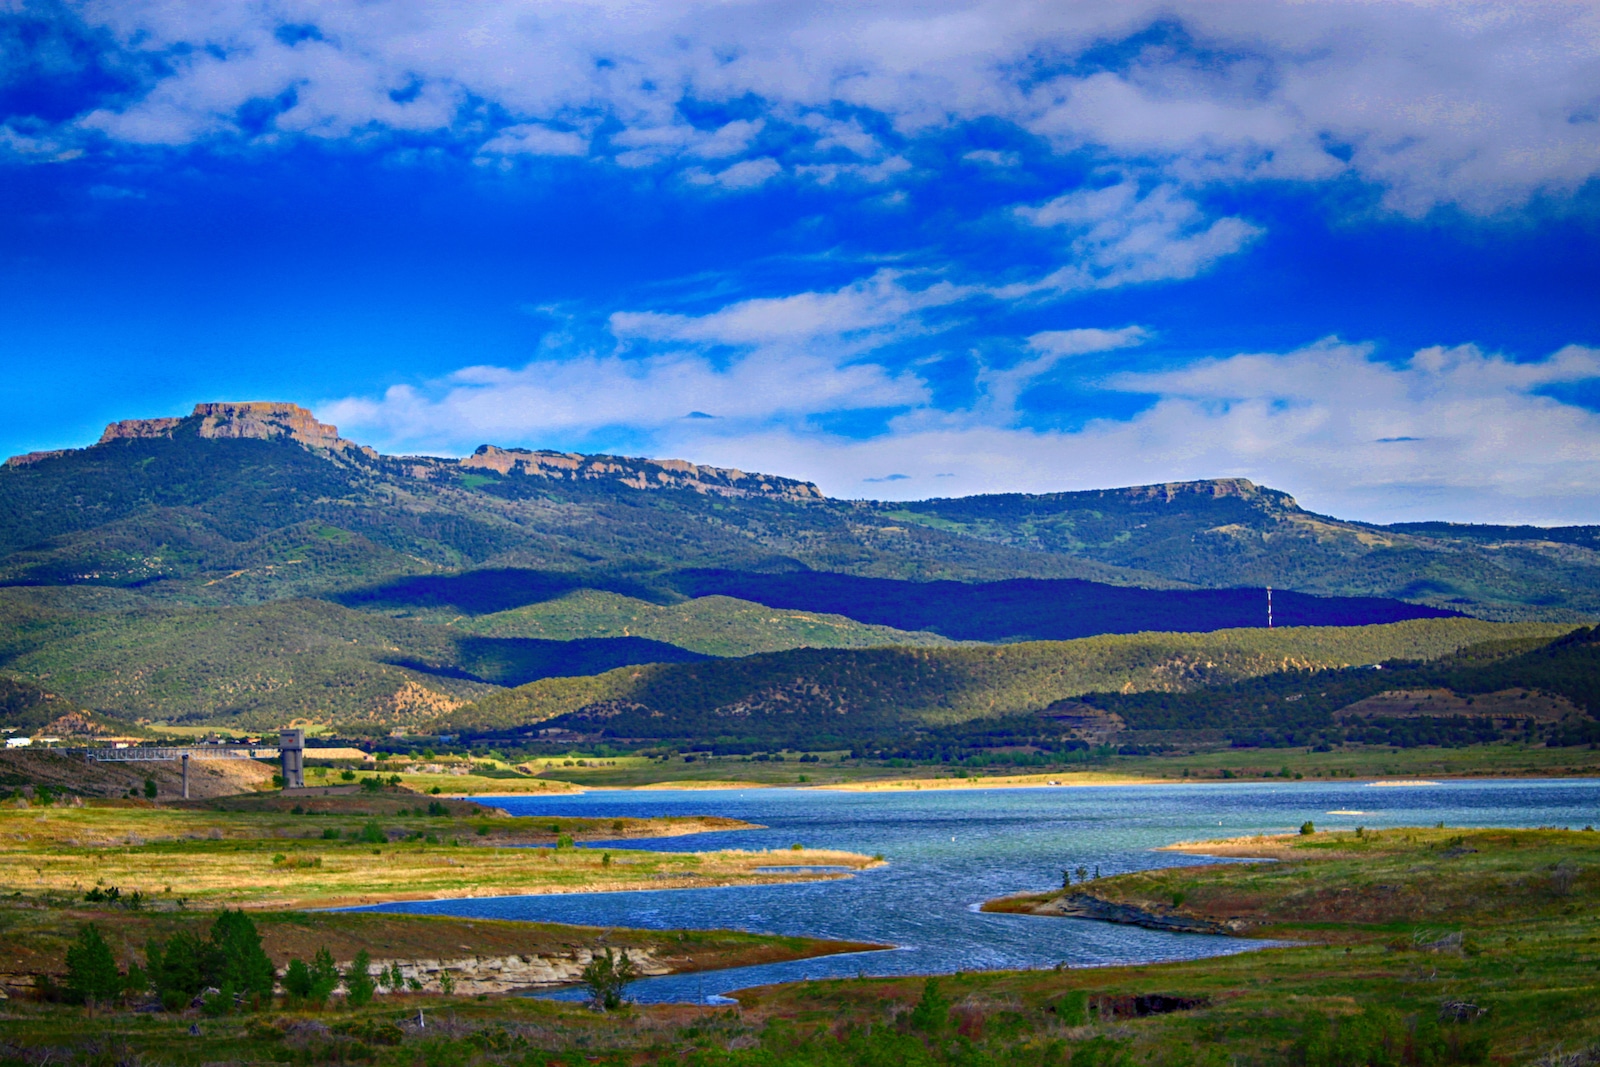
<point x="932" y="1011"/>
<point x="177" y="968"/>
<point x="358" y="980"/>
<point x="240" y="963"/>
<point x="324" y="977"/>
<point x="92" y="975"/>
<point x="297" y="982"/>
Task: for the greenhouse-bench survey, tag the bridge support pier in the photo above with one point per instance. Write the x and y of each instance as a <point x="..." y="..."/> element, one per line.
<point x="186" y="776"/>
<point x="292" y="750"/>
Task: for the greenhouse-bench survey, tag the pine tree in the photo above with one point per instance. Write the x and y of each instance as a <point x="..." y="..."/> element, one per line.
<point x="358" y="981"/>
<point x="241" y="964"/>
<point x="92" y="975"/>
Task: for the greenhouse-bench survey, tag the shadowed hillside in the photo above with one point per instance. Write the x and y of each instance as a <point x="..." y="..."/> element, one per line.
<point x="1043" y="609"/>
<point x="822" y="698"/>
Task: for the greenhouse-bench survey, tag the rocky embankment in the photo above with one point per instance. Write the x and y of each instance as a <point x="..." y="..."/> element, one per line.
<point x="1082" y="905"/>
<point x="470" y="975"/>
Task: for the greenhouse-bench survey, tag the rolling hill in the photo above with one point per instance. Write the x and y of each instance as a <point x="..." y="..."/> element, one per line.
<point x="246" y="563"/>
<point x="833" y="698"/>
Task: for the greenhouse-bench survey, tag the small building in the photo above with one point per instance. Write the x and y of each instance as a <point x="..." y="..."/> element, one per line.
<point x="18" y="742"/>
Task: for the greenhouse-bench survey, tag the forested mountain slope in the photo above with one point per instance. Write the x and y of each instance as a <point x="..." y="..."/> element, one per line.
<point x="246" y="563"/>
<point x="821" y="698"/>
<point x="1230" y="532"/>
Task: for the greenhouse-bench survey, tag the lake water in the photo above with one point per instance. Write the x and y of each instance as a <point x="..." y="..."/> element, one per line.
<point x="949" y="850"/>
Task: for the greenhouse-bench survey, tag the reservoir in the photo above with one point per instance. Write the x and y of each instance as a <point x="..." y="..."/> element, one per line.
<point x="950" y="850"/>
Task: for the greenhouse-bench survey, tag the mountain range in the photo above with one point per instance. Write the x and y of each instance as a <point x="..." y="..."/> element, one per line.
<point x="247" y="564"/>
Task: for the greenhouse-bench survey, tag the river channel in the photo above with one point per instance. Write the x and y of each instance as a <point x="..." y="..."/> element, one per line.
<point x="949" y="850"/>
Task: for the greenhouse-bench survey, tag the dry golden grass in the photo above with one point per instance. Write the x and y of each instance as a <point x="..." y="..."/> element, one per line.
<point x="271" y="860"/>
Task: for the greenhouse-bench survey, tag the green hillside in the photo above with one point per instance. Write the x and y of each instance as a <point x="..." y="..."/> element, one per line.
<point x="242" y="521"/>
<point x="1233" y="533"/>
<point x="813" y="697"/>
<point x="26" y="710"/>
<point x="212" y="520"/>
<point x="260" y="666"/>
<point x="1301" y="708"/>
<point x="265" y="570"/>
<point x="714" y="625"/>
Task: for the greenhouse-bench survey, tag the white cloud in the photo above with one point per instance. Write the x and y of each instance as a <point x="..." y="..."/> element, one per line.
<point x="744" y="175"/>
<point x="1480" y="103"/>
<point x="1452" y="433"/>
<point x="533" y="139"/>
<point x="992" y="158"/>
<point x="576" y="396"/>
<point x="880" y="303"/>
<point x="1083" y="341"/>
<point x="1120" y="236"/>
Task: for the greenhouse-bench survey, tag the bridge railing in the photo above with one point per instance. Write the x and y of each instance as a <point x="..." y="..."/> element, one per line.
<point x="148" y="753"/>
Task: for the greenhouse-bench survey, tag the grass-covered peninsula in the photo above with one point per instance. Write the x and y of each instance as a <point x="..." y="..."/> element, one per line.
<point x="1401" y="948"/>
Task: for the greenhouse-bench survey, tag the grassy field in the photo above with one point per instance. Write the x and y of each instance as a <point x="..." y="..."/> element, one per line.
<point x="1411" y="948"/>
<point x="328" y="854"/>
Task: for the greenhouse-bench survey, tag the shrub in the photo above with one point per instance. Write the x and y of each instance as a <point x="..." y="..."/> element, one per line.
<point x="1307" y="828"/>
<point x="607" y="978"/>
<point x="373" y="834"/>
<point x="92" y="975"/>
<point x="150" y="788"/>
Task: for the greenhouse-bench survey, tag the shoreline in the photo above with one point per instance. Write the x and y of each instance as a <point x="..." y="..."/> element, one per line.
<point x="1057" y="780"/>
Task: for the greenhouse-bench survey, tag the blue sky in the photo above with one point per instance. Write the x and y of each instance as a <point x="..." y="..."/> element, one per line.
<point x="1348" y="250"/>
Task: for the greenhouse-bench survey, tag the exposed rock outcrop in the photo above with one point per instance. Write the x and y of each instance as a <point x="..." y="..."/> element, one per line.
<point x="504" y="974"/>
<point x="258" y="419"/>
<point x="35" y="457"/>
<point x="128" y="429"/>
<point x="637" y="473"/>
<point x="275" y="420"/>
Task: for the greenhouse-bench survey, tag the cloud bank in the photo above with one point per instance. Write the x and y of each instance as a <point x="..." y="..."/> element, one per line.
<point x="1474" y="104"/>
<point x="1449" y="432"/>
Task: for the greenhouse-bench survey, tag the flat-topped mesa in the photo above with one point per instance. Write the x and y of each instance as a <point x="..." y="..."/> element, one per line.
<point x="638" y="473"/>
<point x="260" y="420"/>
<point x="1211" y="488"/>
